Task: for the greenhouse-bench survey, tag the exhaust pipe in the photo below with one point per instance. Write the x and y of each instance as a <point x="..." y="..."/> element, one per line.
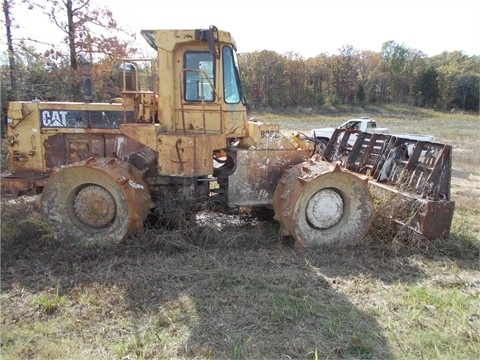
<point x="87" y="79"/>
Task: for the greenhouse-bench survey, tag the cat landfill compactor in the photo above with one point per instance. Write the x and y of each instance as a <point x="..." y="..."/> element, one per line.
<point x="102" y="168"/>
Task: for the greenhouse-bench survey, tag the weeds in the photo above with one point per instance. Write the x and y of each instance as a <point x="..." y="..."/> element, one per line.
<point x="49" y="303"/>
<point x="224" y="286"/>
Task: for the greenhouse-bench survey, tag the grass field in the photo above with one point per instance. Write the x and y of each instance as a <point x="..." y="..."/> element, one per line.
<point x="231" y="288"/>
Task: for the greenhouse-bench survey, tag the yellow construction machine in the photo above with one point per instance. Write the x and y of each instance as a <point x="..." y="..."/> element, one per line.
<point x="103" y="168"/>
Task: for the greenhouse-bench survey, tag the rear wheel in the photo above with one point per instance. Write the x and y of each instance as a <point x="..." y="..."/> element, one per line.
<point x="96" y="201"/>
<point x="318" y="204"/>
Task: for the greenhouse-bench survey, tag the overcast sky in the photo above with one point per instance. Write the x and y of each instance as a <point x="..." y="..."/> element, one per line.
<point x="306" y="27"/>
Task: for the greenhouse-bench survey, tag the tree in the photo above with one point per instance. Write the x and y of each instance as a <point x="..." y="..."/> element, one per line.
<point x="348" y="74"/>
<point x="7" y="5"/>
<point x="89" y="31"/>
<point x="263" y="73"/>
<point x="249" y="73"/>
<point x="369" y="80"/>
<point x="458" y="79"/>
<point x="396" y="74"/>
<point x="294" y="79"/>
<point x="394" y="63"/>
<point x="426" y="88"/>
<point x="317" y="69"/>
<point x="466" y="89"/>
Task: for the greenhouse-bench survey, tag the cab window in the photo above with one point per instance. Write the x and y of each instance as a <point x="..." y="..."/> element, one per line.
<point x="231" y="79"/>
<point x="352" y="125"/>
<point x="199" y="79"/>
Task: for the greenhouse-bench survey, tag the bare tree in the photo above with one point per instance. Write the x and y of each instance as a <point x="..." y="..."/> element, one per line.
<point x="87" y="29"/>
<point x="7" y="5"/>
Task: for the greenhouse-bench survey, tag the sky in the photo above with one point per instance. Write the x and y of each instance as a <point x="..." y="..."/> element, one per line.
<point x="305" y="27"/>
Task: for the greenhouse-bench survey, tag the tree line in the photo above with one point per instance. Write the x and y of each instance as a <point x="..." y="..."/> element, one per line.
<point x="396" y="74"/>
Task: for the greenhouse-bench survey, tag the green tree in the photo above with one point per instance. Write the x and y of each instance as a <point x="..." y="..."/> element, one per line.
<point x="264" y="80"/>
<point x="394" y="58"/>
<point x="347" y="77"/>
<point x="466" y="88"/>
<point x="458" y="79"/>
<point x="426" y="88"/>
<point x="317" y="70"/>
<point x="249" y="72"/>
<point x="369" y="81"/>
<point x="295" y="80"/>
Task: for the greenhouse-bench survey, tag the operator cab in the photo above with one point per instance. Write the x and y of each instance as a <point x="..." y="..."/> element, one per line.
<point x="194" y="84"/>
<point x="200" y="68"/>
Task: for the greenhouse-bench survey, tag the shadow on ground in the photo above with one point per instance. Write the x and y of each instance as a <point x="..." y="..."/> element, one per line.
<point x="237" y="292"/>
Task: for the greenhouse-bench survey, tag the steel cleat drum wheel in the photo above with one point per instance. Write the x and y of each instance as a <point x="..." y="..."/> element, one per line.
<point x="319" y="204"/>
<point x="96" y="201"/>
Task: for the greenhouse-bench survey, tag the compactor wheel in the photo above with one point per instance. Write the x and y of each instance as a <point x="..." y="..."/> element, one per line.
<point x="101" y="200"/>
<point x="318" y="204"/>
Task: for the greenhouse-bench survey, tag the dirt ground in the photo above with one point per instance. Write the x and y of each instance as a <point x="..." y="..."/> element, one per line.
<point x="232" y="293"/>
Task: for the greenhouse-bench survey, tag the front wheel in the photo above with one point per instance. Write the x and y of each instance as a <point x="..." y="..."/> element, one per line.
<point x="96" y="201"/>
<point x="318" y="204"/>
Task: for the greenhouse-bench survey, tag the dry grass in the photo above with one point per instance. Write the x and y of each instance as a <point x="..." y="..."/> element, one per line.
<point x="227" y="287"/>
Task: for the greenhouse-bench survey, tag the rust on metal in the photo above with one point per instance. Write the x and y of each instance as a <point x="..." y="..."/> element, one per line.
<point x="106" y="199"/>
<point x="319" y="204"/>
<point x="253" y="180"/>
<point x="417" y="173"/>
<point x="24" y="183"/>
<point x="64" y="149"/>
<point x="187" y="154"/>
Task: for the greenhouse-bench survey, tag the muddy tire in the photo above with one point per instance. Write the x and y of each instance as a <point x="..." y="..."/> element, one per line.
<point x="98" y="201"/>
<point x="317" y="204"/>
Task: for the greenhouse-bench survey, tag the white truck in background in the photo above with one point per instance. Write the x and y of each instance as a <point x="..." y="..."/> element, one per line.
<point x="364" y="124"/>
